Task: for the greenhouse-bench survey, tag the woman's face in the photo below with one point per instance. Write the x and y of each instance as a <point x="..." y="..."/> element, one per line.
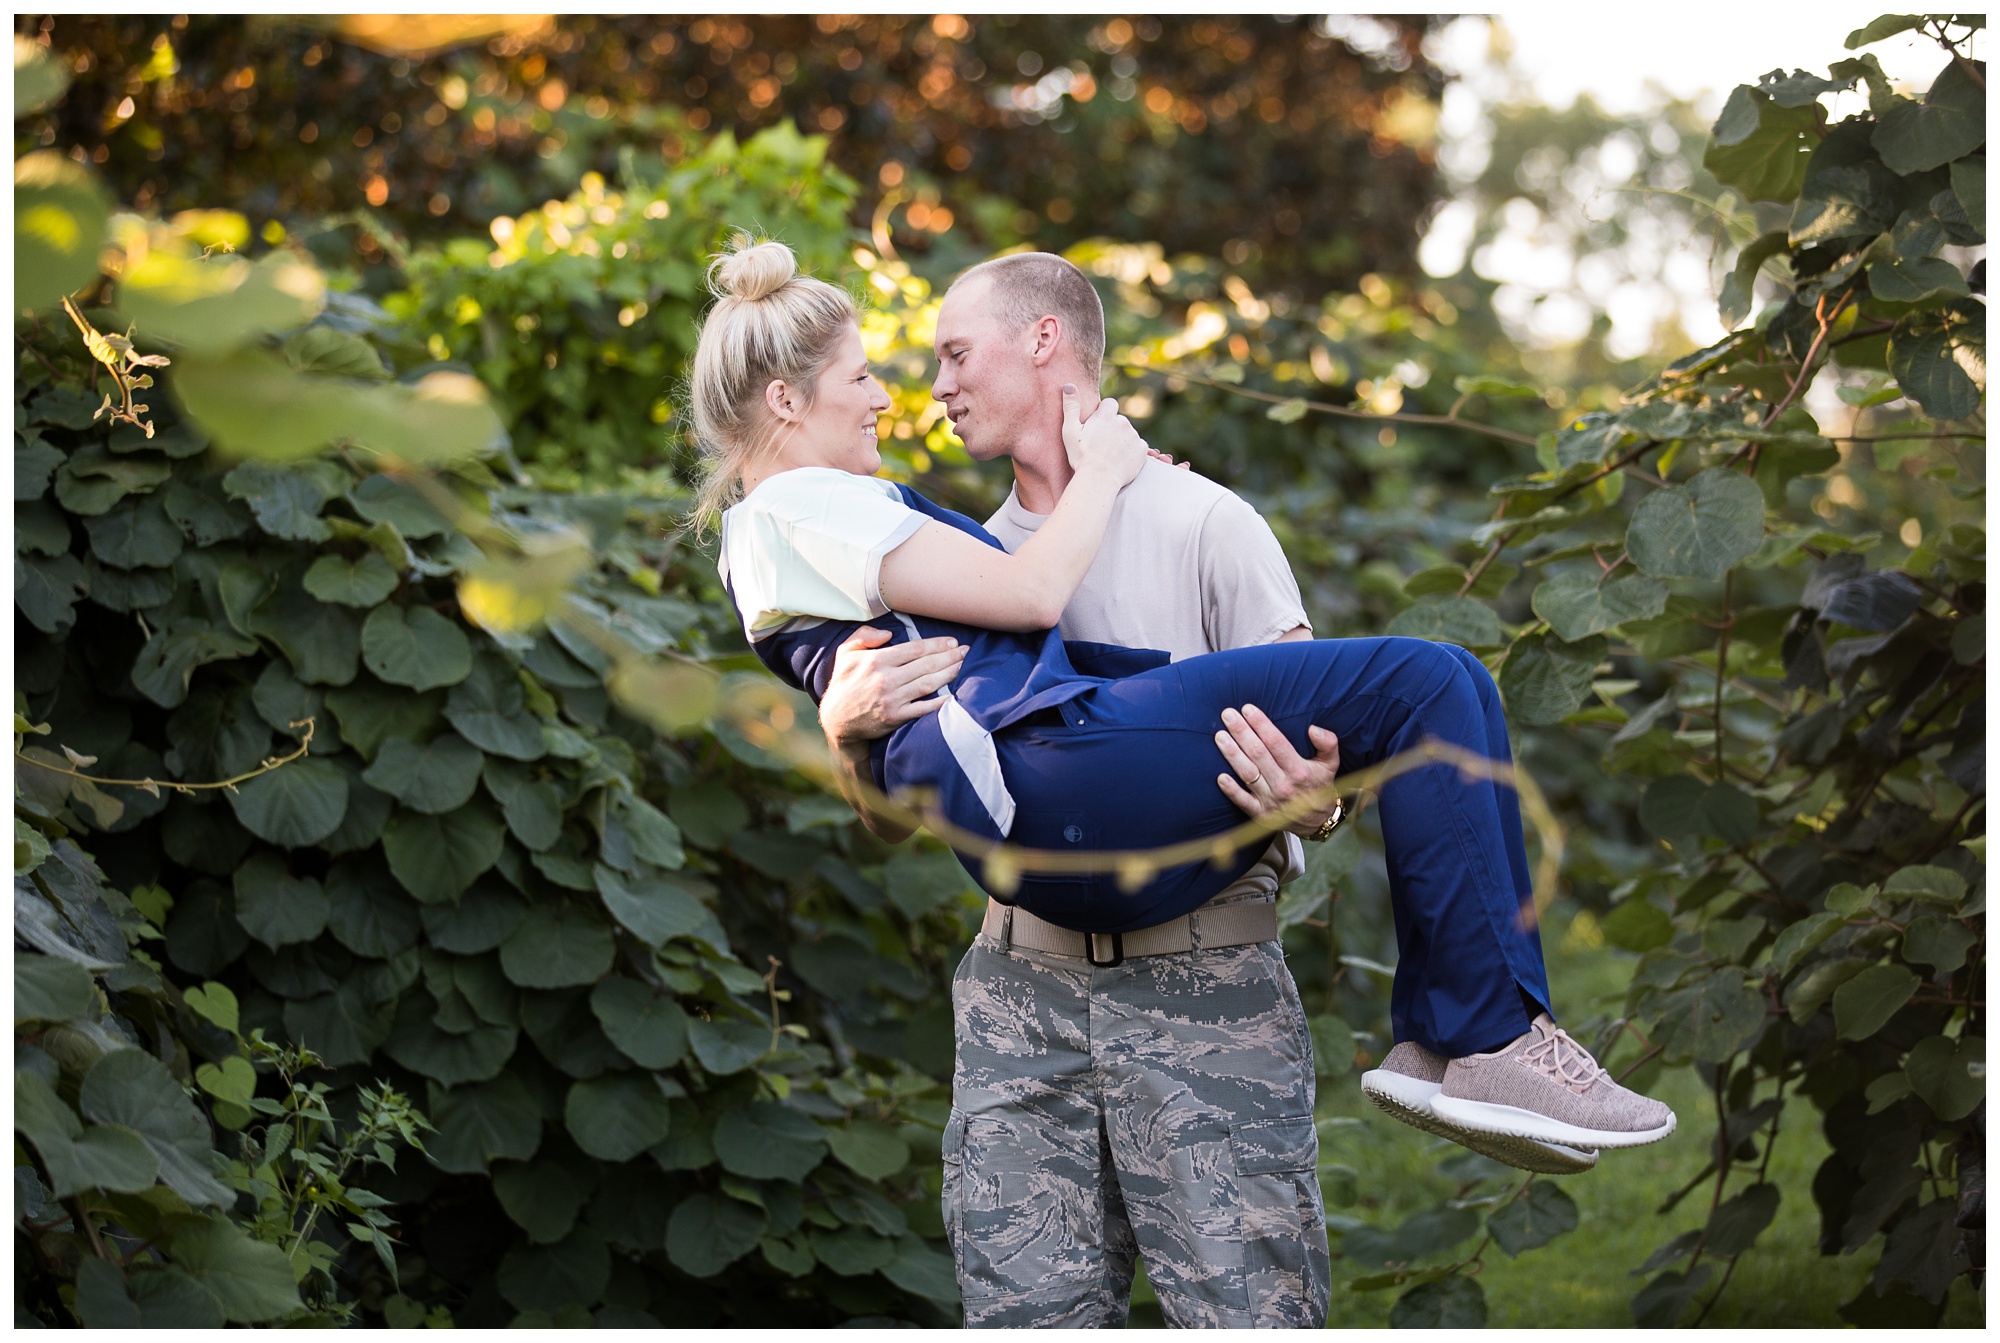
<point x="839" y="430"/>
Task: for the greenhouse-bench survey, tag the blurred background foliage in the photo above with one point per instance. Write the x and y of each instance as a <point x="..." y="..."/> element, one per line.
<point x="1364" y="325"/>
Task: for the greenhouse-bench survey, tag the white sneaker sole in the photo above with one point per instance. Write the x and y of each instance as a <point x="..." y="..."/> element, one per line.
<point x="1410" y="1099"/>
<point x="1514" y="1122"/>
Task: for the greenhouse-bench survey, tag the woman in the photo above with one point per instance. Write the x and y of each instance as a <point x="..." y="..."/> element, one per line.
<point x="1029" y="750"/>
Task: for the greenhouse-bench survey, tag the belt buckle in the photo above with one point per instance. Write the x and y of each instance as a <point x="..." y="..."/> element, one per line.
<point x="1117" y="949"/>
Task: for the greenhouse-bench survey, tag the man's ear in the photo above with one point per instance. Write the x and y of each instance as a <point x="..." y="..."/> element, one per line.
<point x="1046" y="336"/>
<point x="779" y="399"/>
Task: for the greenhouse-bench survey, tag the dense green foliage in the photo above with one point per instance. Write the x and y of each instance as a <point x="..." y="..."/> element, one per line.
<point x="1742" y="649"/>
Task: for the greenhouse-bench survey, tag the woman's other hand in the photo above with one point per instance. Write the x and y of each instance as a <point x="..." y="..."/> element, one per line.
<point x="1105" y="442"/>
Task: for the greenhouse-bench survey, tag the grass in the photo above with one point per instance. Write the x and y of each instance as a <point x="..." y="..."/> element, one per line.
<point x="1582" y="1278"/>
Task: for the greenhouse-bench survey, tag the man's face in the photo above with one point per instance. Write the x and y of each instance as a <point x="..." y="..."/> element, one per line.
<point x="986" y="376"/>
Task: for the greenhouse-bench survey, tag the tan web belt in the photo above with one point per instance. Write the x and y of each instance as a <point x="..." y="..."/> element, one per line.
<point x="1232" y="925"/>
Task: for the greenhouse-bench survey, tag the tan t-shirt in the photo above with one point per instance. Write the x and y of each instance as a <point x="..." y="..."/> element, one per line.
<point x="1186" y="567"/>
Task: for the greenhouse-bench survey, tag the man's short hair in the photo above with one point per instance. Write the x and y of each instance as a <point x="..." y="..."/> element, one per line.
<point x="1028" y="286"/>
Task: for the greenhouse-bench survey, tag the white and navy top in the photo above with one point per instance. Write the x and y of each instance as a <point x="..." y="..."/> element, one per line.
<point x="801" y="556"/>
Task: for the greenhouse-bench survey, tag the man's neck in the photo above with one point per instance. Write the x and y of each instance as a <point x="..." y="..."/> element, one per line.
<point x="1041" y="463"/>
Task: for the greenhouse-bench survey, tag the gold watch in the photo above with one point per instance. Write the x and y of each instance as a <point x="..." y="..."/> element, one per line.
<point x="1330" y="824"/>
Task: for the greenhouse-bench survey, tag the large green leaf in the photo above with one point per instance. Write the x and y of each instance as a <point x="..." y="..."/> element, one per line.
<point x="653" y="837"/>
<point x="1457" y="620"/>
<point x="616" y="1116"/>
<point x="47" y="988"/>
<point x="558" y="945"/>
<point x="919" y="882"/>
<point x="415" y="647"/>
<point x="478" y="921"/>
<point x="1681" y="806"/>
<point x="438" y="776"/>
<point x="1949" y="1075"/>
<point x="551" y="1278"/>
<point x="1968" y="183"/>
<point x="1735" y="1225"/>
<point x="852" y="1250"/>
<point x="1949" y="123"/>
<point x="648" y="1028"/>
<point x="60" y="212"/>
<point x="323" y="643"/>
<point x="708" y="1233"/>
<point x="1864" y="1004"/>
<point x="436" y="857"/>
<point x="417" y="1042"/>
<point x="1698" y="530"/>
<point x="293" y="806"/>
<point x="387" y="499"/>
<point x="1577" y="603"/>
<point x="213" y="302"/>
<point x="768" y="1141"/>
<point x="371" y="713"/>
<point x="729" y="1044"/>
<point x="251" y="1280"/>
<point x="1939" y="358"/>
<point x="276" y="907"/>
<point x="168" y="660"/>
<point x="542" y="1196"/>
<point x="343" y="1027"/>
<point x="1847" y="193"/>
<point x="1937" y="942"/>
<point x="871" y="1150"/>
<point x="1533" y="1220"/>
<point x="490" y="710"/>
<point x="286" y="500"/>
<point x="325" y="349"/>
<point x="135" y="533"/>
<point x="78" y="1159"/>
<point x="487" y="1122"/>
<point x="132" y="1089"/>
<point x="362" y="582"/>
<point x="367" y="912"/>
<point x="1456" y="1302"/>
<point x="1759" y="147"/>
<point x="1711" y="1018"/>
<point x="533" y="807"/>
<point x="1546" y="679"/>
<point x="652" y="909"/>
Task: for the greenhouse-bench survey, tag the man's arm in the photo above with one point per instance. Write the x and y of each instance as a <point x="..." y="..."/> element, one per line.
<point x="874" y="690"/>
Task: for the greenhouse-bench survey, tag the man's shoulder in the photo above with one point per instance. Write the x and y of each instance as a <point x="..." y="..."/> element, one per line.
<point x="1166" y="492"/>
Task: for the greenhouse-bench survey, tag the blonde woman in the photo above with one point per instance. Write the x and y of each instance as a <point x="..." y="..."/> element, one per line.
<point x="1026" y="748"/>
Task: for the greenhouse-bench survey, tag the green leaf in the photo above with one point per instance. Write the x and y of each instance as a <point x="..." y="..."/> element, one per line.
<point x="276" y="907"/>
<point x="653" y="909"/>
<point x="851" y="1251"/>
<point x="1661" y="1302"/>
<point x="616" y="1116"/>
<point x="1949" y="123"/>
<point x="136" y="533"/>
<point x="1937" y="942"/>
<point x="370" y="713"/>
<point x="1898" y="281"/>
<point x="1949" y="1075"/>
<point x="438" y="776"/>
<point x="1456" y="620"/>
<point x="415" y="647"/>
<point x="328" y="350"/>
<point x="1456" y="1302"/>
<point x="1800" y="938"/>
<point x="1735" y="1225"/>
<point x="1288" y="412"/>
<point x="1484" y="385"/>
<point x="79" y="1159"/>
<point x="1711" y="1018"/>
<point x="1968" y="183"/>
<point x="252" y="1281"/>
<point x="344" y="1027"/>
<point x="708" y="1233"/>
<point x="478" y="921"/>
<point x="543" y="1197"/>
<point x="1739" y="291"/>
<point x="39" y="79"/>
<point x="1864" y="1004"/>
<point x="46" y="591"/>
<point x="366" y="911"/>
<point x="1938" y="356"/>
<point x="232" y="1080"/>
<point x="728" y="1045"/>
<point x="568" y="1275"/>
<point x="214" y="1003"/>
<point x="34" y="462"/>
<point x="648" y="1028"/>
<point x="1934" y="885"/>
<point x="1545" y="679"/>
<point x="323" y="643"/>
<point x="1698" y="530"/>
<point x="708" y="814"/>
<point x="132" y="1089"/>
<point x="164" y="665"/>
<point x="167" y="1298"/>
<point x="922" y="1271"/>
<point x="1847" y="193"/>
<point x="1681" y="806"/>
<point x="101" y="1299"/>
<point x="1532" y="1220"/>
<point x="654" y="838"/>
<point x="286" y="500"/>
<point x="488" y="1122"/>
<point x="793" y="1258"/>
<point x="557" y="946"/>
<point x="871" y="1150"/>
<point x="60" y="213"/>
<point x="417" y="1041"/>
<point x="1887" y="26"/>
<point x="49" y="989"/>
<point x="1638" y="925"/>
<point x="293" y="806"/>
<point x="1578" y="603"/>
<point x="214" y="303"/>
<point x="436" y="857"/>
<point x="363" y="582"/>
<point x="920" y="882"/>
<point x="767" y="1141"/>
<point x="533" y="807"/>
<point x="489" y="709"/>
<point x="382" y="499"/>
<point x="1759" y="147"/>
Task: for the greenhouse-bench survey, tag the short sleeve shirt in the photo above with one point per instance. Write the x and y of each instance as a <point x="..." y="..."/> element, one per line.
<point x="810" y="542"/>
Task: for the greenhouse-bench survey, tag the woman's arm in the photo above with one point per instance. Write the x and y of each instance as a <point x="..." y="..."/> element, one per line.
<point x="940" y="571"/>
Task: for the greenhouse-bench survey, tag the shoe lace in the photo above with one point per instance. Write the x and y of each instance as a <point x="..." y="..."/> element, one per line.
<point x="1563" y="1059"/>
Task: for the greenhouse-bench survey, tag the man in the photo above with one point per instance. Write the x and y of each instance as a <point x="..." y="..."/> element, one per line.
<point x="1161" y="1105"/>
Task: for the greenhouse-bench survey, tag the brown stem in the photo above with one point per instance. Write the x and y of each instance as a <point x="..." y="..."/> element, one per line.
<point x="1327" y="408"/>
<point x="1826" y="320"/>
<point x="305" y="744"/>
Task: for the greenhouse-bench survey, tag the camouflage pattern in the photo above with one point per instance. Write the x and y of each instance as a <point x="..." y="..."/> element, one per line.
<point x="1161" y="1107"/>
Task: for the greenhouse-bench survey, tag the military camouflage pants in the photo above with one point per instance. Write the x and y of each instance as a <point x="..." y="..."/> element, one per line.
<point x="1163" y="1107"/>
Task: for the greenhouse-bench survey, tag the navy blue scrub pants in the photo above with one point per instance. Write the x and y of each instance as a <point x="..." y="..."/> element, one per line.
<point x="1133" y="765"/>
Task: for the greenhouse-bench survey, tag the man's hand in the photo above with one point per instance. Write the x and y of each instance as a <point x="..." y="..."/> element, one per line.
<point x="1272" y="773"/>
<point x="874" y="689"/>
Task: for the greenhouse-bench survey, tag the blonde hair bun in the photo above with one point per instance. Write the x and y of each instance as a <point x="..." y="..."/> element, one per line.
<point x="752" y="270"/>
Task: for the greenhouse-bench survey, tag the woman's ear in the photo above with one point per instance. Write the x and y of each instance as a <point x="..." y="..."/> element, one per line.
<point x="781" y="402"/>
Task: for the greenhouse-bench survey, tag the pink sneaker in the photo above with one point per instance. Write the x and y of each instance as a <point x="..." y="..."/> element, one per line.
<point x="1403" y="1088"/>
<point x="1545" y="1086"/>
